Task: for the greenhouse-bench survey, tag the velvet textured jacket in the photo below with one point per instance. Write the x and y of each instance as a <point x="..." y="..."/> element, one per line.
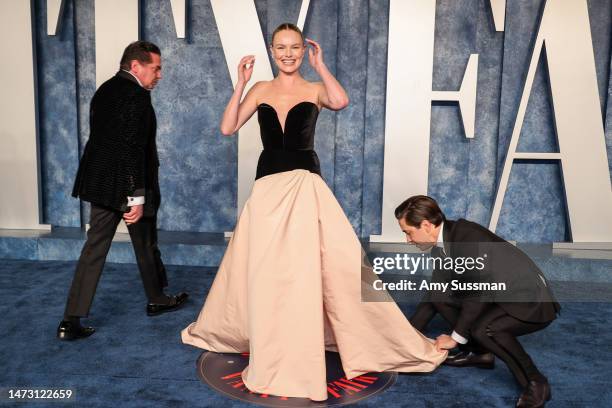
<point x="120" y="158"/>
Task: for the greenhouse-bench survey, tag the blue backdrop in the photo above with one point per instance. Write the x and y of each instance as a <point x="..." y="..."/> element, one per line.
<point x="198" y="173"/>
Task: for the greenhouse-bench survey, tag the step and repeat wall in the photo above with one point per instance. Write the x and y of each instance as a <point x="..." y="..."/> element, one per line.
<point x="498" y="109"/>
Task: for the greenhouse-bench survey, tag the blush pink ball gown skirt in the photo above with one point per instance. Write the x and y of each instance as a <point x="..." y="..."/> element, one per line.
<point x="290" y="286"/>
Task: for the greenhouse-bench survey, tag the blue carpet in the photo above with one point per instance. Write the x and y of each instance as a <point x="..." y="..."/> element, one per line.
<point x="138" y="361"/>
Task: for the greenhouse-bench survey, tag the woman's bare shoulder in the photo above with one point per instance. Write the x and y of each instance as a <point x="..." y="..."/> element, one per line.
<point x="318" y="88"/>
<point x="260" y="89"/>
<point x="316" y="84"/>
<point x="260" y="86"/>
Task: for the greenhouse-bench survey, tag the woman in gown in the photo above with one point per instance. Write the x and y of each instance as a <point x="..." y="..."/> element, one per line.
<point x="290" y="283"/>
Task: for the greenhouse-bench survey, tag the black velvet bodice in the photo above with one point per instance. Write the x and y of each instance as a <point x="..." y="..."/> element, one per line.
<point x="292" y="148"/>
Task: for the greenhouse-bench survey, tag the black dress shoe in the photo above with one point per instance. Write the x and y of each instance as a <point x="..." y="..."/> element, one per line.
<point x="154" y="309"/>
<point x="535" y="395"/>
<point x="470" y="359"/>
<point x="72" y="331"/>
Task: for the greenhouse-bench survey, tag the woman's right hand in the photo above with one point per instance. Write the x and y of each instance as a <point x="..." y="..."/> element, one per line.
<point x="236" y="112"/>
<point x="244" y="73"/>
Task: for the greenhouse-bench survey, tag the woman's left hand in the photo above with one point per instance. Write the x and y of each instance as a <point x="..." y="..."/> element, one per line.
<point x="331" y="94"/>
<point x="315" y="54"/>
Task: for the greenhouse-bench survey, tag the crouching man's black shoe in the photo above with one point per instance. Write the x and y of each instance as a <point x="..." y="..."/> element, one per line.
<point x="154" y="309"/>
<point x="470" y="359"/>
<point x="72" y="331"/>
<point x="535" y="395"/>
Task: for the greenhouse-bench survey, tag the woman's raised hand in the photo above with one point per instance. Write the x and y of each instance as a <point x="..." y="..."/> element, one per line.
<point x="244" y="72"/>
<point x="315" y="54"/>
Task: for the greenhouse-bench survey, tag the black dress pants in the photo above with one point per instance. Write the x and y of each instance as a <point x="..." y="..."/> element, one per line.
<point x="497" y="331"/>
<point x="494" y="330"/>
<point x="103" y="225"/>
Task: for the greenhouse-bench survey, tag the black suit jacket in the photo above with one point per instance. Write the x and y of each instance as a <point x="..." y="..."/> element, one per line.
<point x="528" y="296"/>
<point x="120" y="157"/>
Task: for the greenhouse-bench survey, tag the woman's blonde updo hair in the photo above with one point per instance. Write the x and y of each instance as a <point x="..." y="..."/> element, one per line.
<point x="287" y="26"/>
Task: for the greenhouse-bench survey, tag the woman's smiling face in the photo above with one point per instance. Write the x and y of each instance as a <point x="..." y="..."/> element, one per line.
<point x="288" y="50"/>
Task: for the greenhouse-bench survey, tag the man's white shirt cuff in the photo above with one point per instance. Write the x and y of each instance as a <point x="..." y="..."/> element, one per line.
<point x="131" y="201"/>
<point x="458" y="338"/>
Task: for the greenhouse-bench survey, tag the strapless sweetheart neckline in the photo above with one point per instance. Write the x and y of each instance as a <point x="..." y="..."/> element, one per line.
<point x="282" y="126"/>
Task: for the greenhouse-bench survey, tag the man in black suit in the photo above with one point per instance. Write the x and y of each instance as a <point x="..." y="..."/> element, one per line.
<point x="118" y="175"/>
<point x="483" y="322"/>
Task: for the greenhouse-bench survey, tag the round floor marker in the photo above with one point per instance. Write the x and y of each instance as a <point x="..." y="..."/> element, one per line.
<point x="221" y="371"/>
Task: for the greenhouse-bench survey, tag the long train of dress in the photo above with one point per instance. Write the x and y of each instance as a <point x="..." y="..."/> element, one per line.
<point x="289" y="287"/>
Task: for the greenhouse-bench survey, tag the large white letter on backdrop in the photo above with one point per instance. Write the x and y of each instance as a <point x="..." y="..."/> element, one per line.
<point x="565" y="36"/>
<point x="19" y="170"/>
<point x="408" y="110"/>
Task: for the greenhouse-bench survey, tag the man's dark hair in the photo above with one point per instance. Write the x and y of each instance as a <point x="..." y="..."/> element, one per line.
<point x="139" y="51"/>
<point x="418" y="208"/>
